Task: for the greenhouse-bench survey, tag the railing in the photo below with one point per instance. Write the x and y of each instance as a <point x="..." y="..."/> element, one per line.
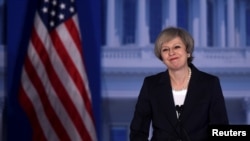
<point x="223" y="57"/>
<point x="203" y="56"/>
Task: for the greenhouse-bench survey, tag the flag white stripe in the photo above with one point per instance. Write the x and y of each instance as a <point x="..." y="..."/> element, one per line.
<point x="75" y="97"/>
<point x="70" y="46"/>
<point x="66" y="80"/>
<point x="33" y="96"/>
<point x="67" y="83"/>
<point x="76" y="57"/>
<point x="65" y="36"/>
<point x="54" y="100"/>
<point x="85" y="78"/>
<point x="73" y="52"/>
<point x="75" y="19"/>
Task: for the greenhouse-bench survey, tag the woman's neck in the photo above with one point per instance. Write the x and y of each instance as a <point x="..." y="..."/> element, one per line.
<point x="180" y="79"/>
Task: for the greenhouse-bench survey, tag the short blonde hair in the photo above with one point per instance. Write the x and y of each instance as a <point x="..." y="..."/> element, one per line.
<point x="170" y="33"/>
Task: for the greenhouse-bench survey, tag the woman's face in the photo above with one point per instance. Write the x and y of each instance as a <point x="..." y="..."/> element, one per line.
<point x="174" y="54"/>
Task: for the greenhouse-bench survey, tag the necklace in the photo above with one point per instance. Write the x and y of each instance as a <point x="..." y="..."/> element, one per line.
<point x="184" y="84"/>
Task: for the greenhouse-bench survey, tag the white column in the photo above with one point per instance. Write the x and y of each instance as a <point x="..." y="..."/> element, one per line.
<point x="165" y="13"/>
<point x="172" y="13"/>
<point x="219" y="32"/>
<point x="203" y="23"/>
<point x="142" y="24"/>
<point x="196" y="21"/>
<point x="112" y="36"/>
<point x="230" y="23"/>
<point x="169" y="13"/>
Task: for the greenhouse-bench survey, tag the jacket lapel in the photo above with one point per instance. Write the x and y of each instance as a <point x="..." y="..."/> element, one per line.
<point x="191" y="97"/>
<point x="166" y="99"/>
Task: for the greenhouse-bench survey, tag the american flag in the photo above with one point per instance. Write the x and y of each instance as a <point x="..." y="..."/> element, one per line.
<point x="54" y="89"/>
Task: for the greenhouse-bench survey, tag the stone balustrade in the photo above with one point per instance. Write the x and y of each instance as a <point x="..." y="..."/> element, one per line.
<point x="131" y="56"/>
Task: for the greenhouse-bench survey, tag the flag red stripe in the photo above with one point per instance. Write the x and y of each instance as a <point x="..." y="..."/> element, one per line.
<point x="69" y="65"/>
<point x="73" y="31"/>
<point x="54" y="88"/>
<point x="58" y="87"/>
<point x="29" y="109"/>
<point x="51" y="115"/>
<point x="72" y="28"/>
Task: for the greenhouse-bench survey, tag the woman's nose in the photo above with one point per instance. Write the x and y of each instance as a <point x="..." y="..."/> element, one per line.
<point x="171" y="51"/>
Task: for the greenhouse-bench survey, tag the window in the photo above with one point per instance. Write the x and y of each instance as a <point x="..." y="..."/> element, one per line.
<point x="182" y="13"/>
<point x="155" y="19"/>
<point x="129" y="21"/>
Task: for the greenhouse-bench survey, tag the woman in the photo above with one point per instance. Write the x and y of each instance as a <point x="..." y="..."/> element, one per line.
<point x="181" y="102"/>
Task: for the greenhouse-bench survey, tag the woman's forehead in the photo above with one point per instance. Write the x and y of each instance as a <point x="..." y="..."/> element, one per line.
<point x="176" y="39"/>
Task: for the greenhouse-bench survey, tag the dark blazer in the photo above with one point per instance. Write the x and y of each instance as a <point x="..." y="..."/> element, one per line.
<point x="204" y="105"/>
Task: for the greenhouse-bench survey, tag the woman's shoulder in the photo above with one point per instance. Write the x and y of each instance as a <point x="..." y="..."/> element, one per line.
<point x="157" y="77"/>
<point x="203" y="74"/>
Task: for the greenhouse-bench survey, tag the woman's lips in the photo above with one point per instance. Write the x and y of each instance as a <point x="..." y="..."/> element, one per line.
<point x="172" y="59"/>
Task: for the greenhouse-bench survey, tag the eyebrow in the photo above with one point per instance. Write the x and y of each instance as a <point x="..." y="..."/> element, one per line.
<point x="174" y="44"/>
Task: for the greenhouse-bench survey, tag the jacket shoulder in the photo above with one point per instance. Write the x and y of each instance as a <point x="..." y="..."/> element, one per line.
<point x="157" y="76"/>
<point x="203" y="74"/>
<point x="207" y="76"/>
